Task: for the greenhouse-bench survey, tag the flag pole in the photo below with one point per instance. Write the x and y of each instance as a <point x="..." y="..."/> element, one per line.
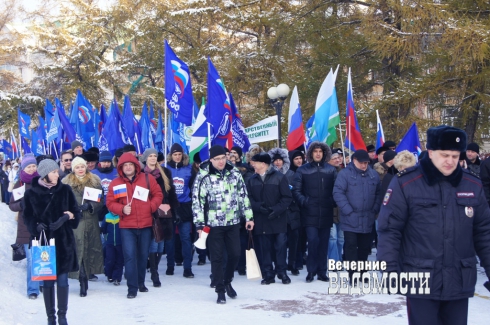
<point x="166" y="132"/>
<point x="137" y="142"/>
<point x="341" y="139"/>
<point x="20" y="149"/>
<point x="54" y="147"/>
<point x="209" y="136"/>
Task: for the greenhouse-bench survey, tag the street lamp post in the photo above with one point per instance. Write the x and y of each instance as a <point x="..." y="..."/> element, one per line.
<point x="277" y="95"/>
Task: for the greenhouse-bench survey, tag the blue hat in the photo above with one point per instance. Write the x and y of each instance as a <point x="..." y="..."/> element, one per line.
<point x="105" y="156"/>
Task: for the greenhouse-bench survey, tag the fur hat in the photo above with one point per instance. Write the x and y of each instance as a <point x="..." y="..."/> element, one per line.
<point x="389" y="144"/>
<point x="445" y="137"/>
<point x="47" y="166"/>
<point x="404" y="159"/>
<point x="361" y="156"/>
<point x="262" y="157"/>
<point x="28" y="159"/>
<point x="90" y="156"/>
<point x="371" y="148"/>
<point x="78" y="161"/>
<point x="128" y="148"/>
<point x="382" y="149"/>
<point x="252" y="151"/>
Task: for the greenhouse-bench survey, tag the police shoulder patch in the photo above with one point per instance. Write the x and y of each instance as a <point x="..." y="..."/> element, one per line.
<point x="386" y="199"/>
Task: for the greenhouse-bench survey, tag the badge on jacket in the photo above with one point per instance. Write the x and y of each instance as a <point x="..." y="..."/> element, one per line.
<point x="387" y="196"/>
<point x="469" y="212"/>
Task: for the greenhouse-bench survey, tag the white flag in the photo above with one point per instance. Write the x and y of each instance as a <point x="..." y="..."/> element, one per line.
<point x="18" y="193"/>
<point x="92" y="194"/>
<point x="141" y="193"/>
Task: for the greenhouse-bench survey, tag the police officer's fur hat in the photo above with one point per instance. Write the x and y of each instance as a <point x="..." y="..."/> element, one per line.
<point x="445" y="137"/>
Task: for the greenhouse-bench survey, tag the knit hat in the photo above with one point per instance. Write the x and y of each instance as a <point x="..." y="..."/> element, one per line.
<point x="262" y="157"/>
<point x="296" y="153"/>
<point x="15" y="165"/>
<point x="389" y="144"/>
<point x="336" y="152"/>
<point x="78" y="161"/>
<point x="473" y="147"/>
<point x="216" y="150"/>
<point x="382" y="149"/>
<point x="105" y="156"/>
<point x="361" y="155"/>
<point x="47" y="166"/>
<point x="176" y="148"/>
<point x="238" y="150"/>
<point x="75" y="144"/>
<point x="128" y="148"/>
<point x="462" y="155"/>
<point x="389" y="155"/>
<point x="119" y="152"/>
<point x="148" y="152"/>
<point x="197" y="158"/>
<point x="160" y="157"/>
<point x="28" y="159"/>
<point x="277" y="156"/>
<point x="445" y="137"/>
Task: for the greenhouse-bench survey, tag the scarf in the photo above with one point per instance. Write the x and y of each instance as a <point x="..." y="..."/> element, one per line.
<point x="27" y="178"/>
<point x="44" y="184"/>
<point x="155" y="172"/>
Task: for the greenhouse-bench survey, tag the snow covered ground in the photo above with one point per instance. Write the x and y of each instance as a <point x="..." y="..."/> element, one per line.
<point x="187" y="301"/>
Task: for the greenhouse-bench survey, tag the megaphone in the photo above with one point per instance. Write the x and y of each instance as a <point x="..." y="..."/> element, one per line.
<point x="201" y="242"/>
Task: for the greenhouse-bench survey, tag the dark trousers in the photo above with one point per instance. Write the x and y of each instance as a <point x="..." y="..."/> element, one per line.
<point x="243" y="247"/>
<point x="219" y="239"/>
<point x="302" y="246"/>
<point x="437" y="312"/>
<point x="114" y="262"/>
<point x="136" y="245"/>
<point x="273" y="244"/>
<point x="293" y="237"/>
<point x="317" y="249"/>
<point x="357" y="246"/>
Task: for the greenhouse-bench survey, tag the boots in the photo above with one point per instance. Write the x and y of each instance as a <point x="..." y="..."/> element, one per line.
<point x="48" y="294"/>
<point x="62" y="293"/>
<point x="154" y="259"/>
<point x="82" y="277"/>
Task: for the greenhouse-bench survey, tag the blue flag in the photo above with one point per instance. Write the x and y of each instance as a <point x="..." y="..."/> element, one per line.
<point x="131" y="125"/>
<point x="84" y="123"/>
<point x="36" y="143"/>
<point x="69" y="132"/>
<point x="103" y="118"/>
<point x="54" y="125"/>
<point x="146" y="136"/>
<point x="178" y="87"/>
<point x="160" y="136"/>
<point x="25" y="145"/>
<point x="7" y="148"/>
<point x="177" y="134"/>
<point x="48" y="113"/>
<point x="113" y="134"/>
<point x="240" y="138"/>
<point x="411" y="141"/>
<point x="218" y="110"/>
<point x="43" y="126"/>
<point x="24" y="122"/>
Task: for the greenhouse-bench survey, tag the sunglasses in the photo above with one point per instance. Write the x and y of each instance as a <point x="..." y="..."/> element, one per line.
<point x="67" y="160"/>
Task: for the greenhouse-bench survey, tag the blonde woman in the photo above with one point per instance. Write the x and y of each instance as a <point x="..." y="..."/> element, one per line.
<point x="87" y="235"/>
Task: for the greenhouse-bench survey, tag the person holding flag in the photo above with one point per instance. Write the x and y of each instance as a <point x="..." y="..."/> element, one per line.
<point x="89" y="246"/>
<point x="135" y="213"/>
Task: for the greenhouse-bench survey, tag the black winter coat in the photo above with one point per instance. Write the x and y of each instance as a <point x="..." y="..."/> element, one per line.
<point x="293" y="212"/>
<point x="436" y="224"/>
<point x="43" y="205"/>
<point x="273" y="193"/>
<point x="485" y="178"/>
<point x="312" y="190"/>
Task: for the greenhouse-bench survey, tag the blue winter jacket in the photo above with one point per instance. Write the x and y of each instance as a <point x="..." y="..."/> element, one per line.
<point x="181" y="174"/>
<point x="357" y="194"/>
<point x="110" y="226"/>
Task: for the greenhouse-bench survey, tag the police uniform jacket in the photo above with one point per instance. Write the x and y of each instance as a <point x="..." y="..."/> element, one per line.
<point x="436" y="224"/>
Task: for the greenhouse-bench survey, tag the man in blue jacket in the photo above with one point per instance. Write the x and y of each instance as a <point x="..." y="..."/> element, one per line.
<point x="178" y="164"/>
<point x="356" y="192"/>
<point x="435" y="219"/>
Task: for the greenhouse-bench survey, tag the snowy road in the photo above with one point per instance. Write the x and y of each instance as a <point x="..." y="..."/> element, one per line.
<point x="192" y="301"/>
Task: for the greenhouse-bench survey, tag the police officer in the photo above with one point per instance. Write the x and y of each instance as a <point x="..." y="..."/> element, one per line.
<point x="435" y="219"/>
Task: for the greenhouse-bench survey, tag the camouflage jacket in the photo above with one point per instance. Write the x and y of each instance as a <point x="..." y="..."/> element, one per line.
<point x="219" y="198"/>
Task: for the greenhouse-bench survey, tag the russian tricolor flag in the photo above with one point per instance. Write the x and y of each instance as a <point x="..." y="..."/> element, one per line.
<point x="353" y="138"/>
<point x="15" y="148"/>
<point x="296" y="131"/>
<point x="380" y="136"/>
<point x="120" y="191"/>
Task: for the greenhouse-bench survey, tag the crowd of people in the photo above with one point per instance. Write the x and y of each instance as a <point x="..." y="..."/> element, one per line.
<point x="301" y="208"/>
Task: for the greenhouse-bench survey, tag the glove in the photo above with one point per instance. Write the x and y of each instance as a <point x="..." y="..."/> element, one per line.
<point x="272" y="215"/>
<point x="58" y="223"/>
<point x="41" y="226"/>
<point x="487" y="285"/>
<point x="86" y="207"/>
<point x="264" y="210"/>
